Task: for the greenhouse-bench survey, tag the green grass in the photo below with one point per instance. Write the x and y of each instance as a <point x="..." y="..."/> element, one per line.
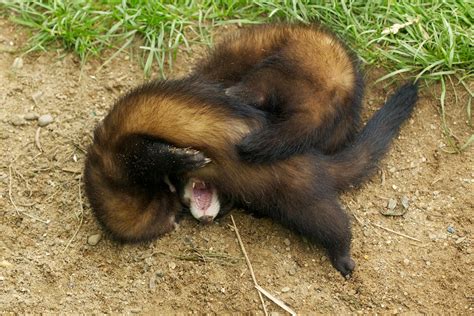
<point x="438" y="47"/>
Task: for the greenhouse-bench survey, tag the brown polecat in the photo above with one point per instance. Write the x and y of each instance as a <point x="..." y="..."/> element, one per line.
<point x="303" y="75"/>
<point x="301" y="191"/>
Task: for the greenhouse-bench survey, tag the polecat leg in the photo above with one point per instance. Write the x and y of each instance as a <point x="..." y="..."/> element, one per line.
<point x="279" y="141"/>
<point x="149" y="160"/>
<point x="326" y="223"/>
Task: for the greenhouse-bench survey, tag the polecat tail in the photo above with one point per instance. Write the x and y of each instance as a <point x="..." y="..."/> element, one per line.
<point x="353" y="165"/>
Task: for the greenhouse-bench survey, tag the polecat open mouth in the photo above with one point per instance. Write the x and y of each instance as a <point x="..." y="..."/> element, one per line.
<point x="203" y="201"/>
<point x="202" y="195"/>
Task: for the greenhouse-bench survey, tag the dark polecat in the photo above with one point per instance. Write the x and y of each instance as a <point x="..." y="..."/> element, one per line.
<point x="303" y="75"/>
<point x="301" y="191"/>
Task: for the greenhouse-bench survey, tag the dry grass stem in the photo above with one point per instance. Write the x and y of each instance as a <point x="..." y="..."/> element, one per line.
<point x="81" y="220"/>
<point x="249" y="264"/>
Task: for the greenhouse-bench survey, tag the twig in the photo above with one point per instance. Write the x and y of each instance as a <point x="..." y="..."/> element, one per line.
<point x="37" y="139"/>
<point x="406" y="168"/>
<point x="395" y="232"/>
<point x="19" y="174"/>
<point x="77" y="146"/>
<point x="10" y="189"/>
<point x="275" y="300"/>
<point x="436" y="180"/>
<point x="52" y="196"/>
<point x="71" y="170"/>
<point x="81" y="207"/>
<point x="197" y="255"/>
<point x="27" y="204"/>
<point x="10" y="196"/>
<point x="355" y="216"/>
<point x="249" y="265"/>
<point x="358" y="219"/>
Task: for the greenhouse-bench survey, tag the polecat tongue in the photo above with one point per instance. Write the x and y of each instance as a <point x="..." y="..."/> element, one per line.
<point x="202" y="200"/>
<point x="202" y="195"/>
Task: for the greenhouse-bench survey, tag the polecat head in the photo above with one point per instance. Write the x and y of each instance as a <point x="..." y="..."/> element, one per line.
<point x="203" y="199"/>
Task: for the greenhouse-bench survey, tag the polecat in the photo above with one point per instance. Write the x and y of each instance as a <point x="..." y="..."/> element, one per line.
<point x="303" y="75"/>
<point x="301" y="191"/>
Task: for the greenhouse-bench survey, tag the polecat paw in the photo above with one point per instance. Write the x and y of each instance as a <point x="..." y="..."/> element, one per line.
<point x="189" y="159"/>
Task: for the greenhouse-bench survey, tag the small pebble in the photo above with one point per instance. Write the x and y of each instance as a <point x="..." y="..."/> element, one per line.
<point x="17" y="121"/>
<point x="94" y="239"/>
<point x="152" y="282"/>
<point x="392" y="203"/>
<point x="406" y="261"/>
<point x="405" y="203"/>
<point x="292" y="271"/>
<point x="45" y="119"/>
<point x="287" y="242"/>
<point x="31" y="116"/>
<point x="17" y="63"/>
<point x="285" y="289"/>
<point x="172" y="265"/>
<point x="451" y="229"/>
<point x="135" y="310"/>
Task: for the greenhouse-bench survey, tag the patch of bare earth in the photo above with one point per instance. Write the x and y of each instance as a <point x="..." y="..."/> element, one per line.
<point x="421" y="261"/>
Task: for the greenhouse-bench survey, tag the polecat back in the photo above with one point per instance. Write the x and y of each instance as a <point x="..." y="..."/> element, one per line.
<point x="302" y="75"/>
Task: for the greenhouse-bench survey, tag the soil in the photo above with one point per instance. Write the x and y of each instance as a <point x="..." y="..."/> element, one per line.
<point x="418" y="259"/>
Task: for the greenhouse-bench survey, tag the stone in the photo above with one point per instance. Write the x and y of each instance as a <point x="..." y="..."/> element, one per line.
<point x="17" y="63"/>
<point x="45" y="119"/>
<point x="404" y="201"/>
<point x="392" y="203"/>
<point x="31" y="116"/>
<point x="94" y="239"/>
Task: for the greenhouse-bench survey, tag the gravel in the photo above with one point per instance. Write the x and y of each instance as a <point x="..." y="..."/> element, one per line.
<point x="31" y="116"/>
<point x="45" y="119"/>
<point x="94" y="239"/>
<point x="392" y="203"/>
<point x="17" y="63"/>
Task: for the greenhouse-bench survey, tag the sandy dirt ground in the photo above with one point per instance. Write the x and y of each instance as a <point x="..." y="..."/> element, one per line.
<point x="54" y="258"/>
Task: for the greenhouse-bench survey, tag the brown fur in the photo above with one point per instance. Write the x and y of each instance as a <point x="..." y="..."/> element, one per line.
<point x="303" y="75"/>
<point x="300" y="191"/>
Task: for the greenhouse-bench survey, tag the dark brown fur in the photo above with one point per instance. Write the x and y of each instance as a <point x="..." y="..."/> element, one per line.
<point x="303" y="76"/>
<point x="301" y="191"/>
